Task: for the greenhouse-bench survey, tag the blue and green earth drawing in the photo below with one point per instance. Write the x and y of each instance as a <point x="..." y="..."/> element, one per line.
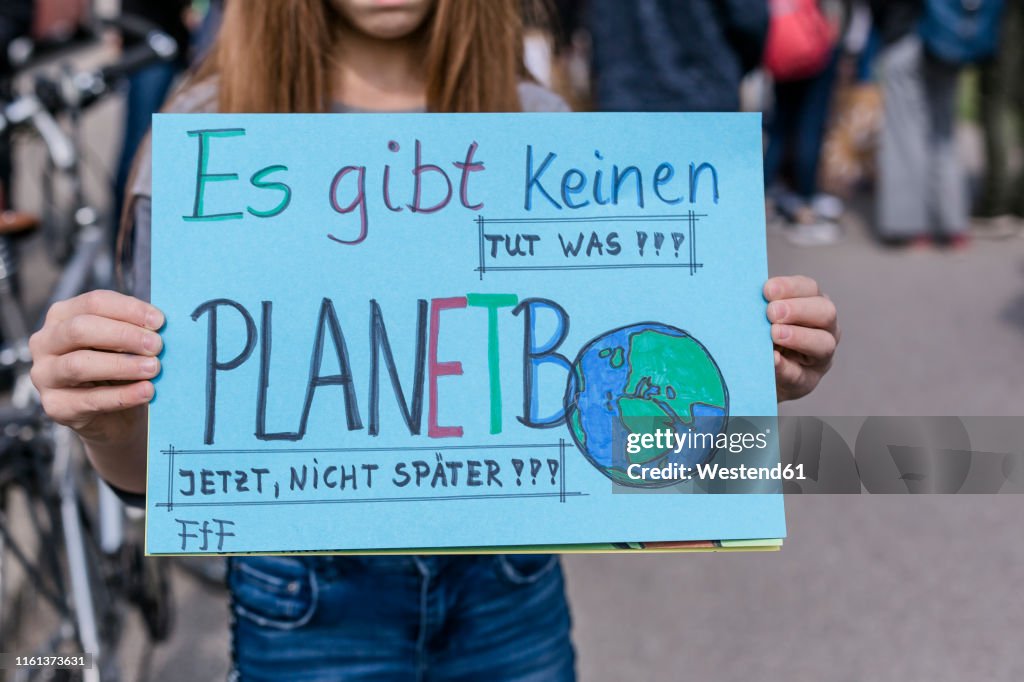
<point x="640" y="379"/>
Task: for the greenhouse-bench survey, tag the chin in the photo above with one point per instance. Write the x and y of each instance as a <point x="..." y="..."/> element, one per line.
<point x="390" y="28"/>
<point x="385" y="19"/>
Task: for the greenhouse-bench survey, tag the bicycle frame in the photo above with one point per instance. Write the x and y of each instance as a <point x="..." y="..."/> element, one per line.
<point x="84" y="252"/>
<point x="91" y="532"/>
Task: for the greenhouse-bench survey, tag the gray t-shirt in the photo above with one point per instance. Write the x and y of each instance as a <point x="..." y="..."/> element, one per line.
<point x="202" y="98"/>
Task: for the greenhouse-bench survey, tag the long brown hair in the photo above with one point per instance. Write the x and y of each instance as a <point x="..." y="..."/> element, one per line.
<point x="276" y="56"/>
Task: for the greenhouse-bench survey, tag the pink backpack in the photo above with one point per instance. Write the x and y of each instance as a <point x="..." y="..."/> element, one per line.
<point x="800" y="40"/>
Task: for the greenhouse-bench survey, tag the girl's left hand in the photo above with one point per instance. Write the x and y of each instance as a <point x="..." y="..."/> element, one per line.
<point x="804" y="331"/>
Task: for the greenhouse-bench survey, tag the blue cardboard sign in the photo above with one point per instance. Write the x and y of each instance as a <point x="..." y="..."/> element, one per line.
<point x="439" y="331"/>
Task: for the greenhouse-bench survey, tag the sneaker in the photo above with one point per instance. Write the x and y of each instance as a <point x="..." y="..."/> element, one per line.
<point x="998" y="227"/>
<point x="813" y="233"/>
<point x="828" y="206"/>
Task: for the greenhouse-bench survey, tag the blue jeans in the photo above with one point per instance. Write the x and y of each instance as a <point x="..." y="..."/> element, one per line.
<point x="310" y="619"/>
<point x="796" y="130"/>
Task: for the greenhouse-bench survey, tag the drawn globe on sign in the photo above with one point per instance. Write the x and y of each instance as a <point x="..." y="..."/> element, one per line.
<point x="640" y="379"/>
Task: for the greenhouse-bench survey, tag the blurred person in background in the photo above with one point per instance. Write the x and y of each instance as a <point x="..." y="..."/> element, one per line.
<point x="1001" y="104"/>
<point x="666" y="55"/>
<point x="922" y="190"/>
<point x="801" y="56"/>
<point x="851" y="141"/>
<point x="148" y="88"/>
<point x="15" y="22"/>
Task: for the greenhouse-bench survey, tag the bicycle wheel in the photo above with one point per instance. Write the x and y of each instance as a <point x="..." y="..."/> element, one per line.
<point x="35" y="617"/>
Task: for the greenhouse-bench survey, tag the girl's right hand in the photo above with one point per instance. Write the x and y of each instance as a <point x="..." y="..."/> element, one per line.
<point x="93" y="360"/>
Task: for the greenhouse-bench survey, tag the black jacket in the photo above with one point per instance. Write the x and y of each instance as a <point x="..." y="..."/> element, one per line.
<point x="673" y="55"/>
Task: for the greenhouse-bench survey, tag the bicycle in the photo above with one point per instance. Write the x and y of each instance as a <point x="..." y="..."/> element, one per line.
<point x="90" y="565"/>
